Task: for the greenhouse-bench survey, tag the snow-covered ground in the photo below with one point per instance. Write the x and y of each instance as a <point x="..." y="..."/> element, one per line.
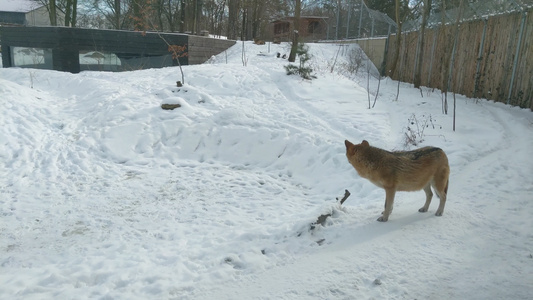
<point x="104" y="195"/>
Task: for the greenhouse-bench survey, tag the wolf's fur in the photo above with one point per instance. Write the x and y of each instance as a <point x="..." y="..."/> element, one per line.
<point x="402" y="171"/>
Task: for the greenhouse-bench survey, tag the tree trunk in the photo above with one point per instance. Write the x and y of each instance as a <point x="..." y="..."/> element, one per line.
<point x="68" y="6"/>
<point x="398" y="41"/>
<point x="137" y="16"/>
<point x="74" y="13"/>
<point x="182" y="16"/>
<point x="295" y="33"/>
<point x="159" y="10"/>
<point x="425" y="15"/>
<point x="258" y="12"/>
<point x="243" y="24"/>
<point x="249" y="21"/>
<point x="449" y="38"/>
<point x="117" y="14"/>
<point x="70" y="13"/>
<point x="170" y="16"/>
<point x="197" y="15"/>
<point x="52" y="11"/>
<point x="233" y="16"/>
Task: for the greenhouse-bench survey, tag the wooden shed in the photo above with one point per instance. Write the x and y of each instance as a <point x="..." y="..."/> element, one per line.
<point x="311" y="28"/>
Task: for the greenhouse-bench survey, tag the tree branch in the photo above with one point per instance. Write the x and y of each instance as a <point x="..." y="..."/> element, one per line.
<point x="322" y="219"/>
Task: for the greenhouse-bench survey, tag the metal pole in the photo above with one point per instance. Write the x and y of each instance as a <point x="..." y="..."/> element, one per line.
<point x="385" y="53"/>
<point x="515" y="63"/>
<point x="348" y="20"/>
<point x="360" y="19"/>
<point x="372" y="32"/>
<point x="338" y="19"/>
<point x="480" y="57"/>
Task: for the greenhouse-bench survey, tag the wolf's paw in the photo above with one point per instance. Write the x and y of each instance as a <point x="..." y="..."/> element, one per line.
<point x="382" y="219"/>
<point x="439" y="213"/>
<point x="423" y="209"/>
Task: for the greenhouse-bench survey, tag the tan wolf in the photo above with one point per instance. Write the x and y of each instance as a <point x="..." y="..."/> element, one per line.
<point x="402" y="171"/>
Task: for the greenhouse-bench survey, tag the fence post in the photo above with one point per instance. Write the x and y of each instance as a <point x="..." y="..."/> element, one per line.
<point x="515" y="63"/>
<point x="480" y="57"/>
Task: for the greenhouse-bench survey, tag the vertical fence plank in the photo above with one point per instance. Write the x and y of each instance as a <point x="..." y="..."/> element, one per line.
<point x="479" y="58"/>
<point x="485" y="53"/>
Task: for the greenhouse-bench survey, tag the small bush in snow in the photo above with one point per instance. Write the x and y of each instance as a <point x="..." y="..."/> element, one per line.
<point x="303" y="70"/>
<point x="414" y="131"/>
<point x="355" y="60"/>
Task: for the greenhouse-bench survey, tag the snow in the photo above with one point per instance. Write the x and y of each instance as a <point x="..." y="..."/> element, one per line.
<point x="104" y="195"/>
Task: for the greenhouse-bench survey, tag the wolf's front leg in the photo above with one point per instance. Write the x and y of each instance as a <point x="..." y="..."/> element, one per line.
<point x="389" y="201"/>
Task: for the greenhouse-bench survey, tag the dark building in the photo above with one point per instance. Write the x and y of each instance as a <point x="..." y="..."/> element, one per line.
<point x="78" y="49"/>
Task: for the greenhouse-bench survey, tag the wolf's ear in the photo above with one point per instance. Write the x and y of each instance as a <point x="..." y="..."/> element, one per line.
<point x="350" y="148"/>
<point x="365" y="143"/>
<point x="348" y="144"/>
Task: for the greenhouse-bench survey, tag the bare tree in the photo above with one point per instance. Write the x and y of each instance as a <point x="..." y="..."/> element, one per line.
<point x="113" y="11"/>
<point x="117" y="10"/>
<point x="52" y="9"/>
<point x="182" y="16"/>
<point x="296" y="24"/>
<point x="233" y="17"/>
<point x="71" y="12"/>
<point x="138" y="17"/>
<point x="449" y="45"/>
<point x="421" y="41"/>
<point x="68" y="7"/>
<point x="398" y="40"/>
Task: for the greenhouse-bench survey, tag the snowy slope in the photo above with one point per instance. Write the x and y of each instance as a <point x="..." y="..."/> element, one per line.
<point x="104" y="195"/>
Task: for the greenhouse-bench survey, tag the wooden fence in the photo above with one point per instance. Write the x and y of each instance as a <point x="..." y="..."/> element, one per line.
<point x="491" y="58"/>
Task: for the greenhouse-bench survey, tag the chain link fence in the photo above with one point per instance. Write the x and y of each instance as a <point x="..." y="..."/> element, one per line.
<point x="470" y="11"/>
<point x="354" y="20"/>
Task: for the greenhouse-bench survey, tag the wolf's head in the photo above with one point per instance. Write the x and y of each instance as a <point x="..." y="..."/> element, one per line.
<point x="357" y="156"/>
<point x="352" y="149"/>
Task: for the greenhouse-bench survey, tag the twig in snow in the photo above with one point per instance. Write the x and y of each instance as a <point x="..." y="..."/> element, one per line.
<point x="322" y="219"/>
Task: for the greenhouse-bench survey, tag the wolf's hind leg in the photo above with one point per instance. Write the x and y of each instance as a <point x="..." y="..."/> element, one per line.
<point x="442" y="192"/>
<point x="429" y="195"/>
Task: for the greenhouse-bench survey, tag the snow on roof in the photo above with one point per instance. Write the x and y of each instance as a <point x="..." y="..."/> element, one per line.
<point x="19" y="5"/>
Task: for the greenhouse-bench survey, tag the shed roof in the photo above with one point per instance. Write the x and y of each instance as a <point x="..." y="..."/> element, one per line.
<point x="22" y="6"/>
<point x="290" y="19"/>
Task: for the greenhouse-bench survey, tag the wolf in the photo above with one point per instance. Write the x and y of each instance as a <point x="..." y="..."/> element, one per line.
<point x="402" y="171"/>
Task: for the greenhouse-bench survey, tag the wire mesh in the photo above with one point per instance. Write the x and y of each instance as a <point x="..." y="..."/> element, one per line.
<point x="471" y="10"/>
<point x="361" y="21"/>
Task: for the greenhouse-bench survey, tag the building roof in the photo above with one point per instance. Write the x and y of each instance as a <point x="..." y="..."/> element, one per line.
<point x="290" y="19"/>
<point x="22" y="6"/>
